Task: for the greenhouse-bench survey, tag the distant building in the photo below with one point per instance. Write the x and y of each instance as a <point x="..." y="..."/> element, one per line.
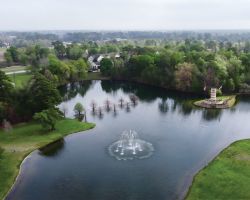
<point x="95" y="60"/>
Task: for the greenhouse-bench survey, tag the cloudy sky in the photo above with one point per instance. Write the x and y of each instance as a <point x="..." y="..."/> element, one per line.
<point x="124" y="14"/>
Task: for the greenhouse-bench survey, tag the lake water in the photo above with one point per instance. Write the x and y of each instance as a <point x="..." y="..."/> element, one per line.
<point x="79" y="166"/>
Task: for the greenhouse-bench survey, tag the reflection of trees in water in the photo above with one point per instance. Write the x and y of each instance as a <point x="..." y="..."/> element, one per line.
<point x="110" y="86"/>
<point x="69" y="91"/>
<point x="163" y="106"/>
<point x="182" y="102"/>
<point x="186" y="107"/>
<point x="52" y="149"/>
<point x="174" y="101"/>
<point x="211" y="114"/>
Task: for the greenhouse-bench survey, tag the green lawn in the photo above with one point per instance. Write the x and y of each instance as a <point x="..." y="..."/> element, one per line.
<point x="23" y="139"/>
<point x="20" y="79"/>
<point x="226" y="177"/>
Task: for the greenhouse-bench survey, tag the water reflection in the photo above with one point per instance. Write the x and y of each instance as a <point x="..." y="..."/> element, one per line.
<point x="163" y="106"/>
<point x="53" y="149"/>
<point x="168" y="100"/>
<point x="70" y="91"/>
<point x="185" y="138"/>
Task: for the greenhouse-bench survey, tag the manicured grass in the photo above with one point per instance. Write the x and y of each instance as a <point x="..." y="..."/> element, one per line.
<point x="226" y="177"/>
<point x="23" y="139"/>
<point x="20" y="79"/>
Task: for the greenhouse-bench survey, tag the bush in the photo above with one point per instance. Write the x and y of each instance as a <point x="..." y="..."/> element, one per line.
<point x="218" y="92"/>
<point x="78" y="111"/>
<point x="47" y="118"/>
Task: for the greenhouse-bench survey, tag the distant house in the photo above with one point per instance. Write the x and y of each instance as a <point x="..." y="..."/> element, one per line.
<point x="117" y="56"/>
<point x="94" y="62"/>
<point x="65" y="44"/>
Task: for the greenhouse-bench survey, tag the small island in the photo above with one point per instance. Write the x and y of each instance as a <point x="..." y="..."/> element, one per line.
<point x="220" y="102"/>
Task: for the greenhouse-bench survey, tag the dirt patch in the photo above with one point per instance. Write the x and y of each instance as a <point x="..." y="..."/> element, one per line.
<point x="244" y="157"/>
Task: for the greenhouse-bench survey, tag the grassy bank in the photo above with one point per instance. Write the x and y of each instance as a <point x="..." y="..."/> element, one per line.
<point x="228" y="101"/>
<point x="95" y="76"/>
<point x="226" y="177"/>
<point x="23" y="139"/>
<point x="20" y="80"/>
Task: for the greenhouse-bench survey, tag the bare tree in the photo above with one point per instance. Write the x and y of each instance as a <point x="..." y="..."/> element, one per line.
<point x="121" y="101"/>
<point x="107" y="105"/>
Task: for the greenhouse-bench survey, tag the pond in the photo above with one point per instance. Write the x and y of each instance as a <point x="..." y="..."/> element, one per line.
<point x="184" y="139"/>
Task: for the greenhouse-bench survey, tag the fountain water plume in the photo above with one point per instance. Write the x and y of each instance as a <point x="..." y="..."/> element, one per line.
<point x="130" y="147"/>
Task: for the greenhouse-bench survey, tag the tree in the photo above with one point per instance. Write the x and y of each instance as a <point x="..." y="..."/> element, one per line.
<point x="78" y="110"/>
<point x="8" y="58"/>
<point x="36" y="55"/>
<point x="13" y="53"/>
<point x="235" y="69"/>
<point x="78" y="69"/>
<point x="74" y="52"/>
<point x="106" y="66"/>
<point x="6" y="87"/>
<point x="184" y="76"/>
<point x="164" y="62"/>
<point x="43" y="93"/>
<point x="48" y="118"/>
<point x="59" y="68"/>
<point x="137" y="64"/>
<point x="60" y="49"/>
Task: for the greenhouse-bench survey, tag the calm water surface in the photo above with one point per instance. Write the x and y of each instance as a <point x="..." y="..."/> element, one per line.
<point x="79" y="167"/>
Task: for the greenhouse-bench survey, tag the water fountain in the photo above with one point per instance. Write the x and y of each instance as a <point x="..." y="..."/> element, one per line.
<point x="130" y="147"/>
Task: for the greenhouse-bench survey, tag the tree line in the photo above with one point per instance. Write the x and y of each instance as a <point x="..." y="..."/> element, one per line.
<point x="191" y="66"/>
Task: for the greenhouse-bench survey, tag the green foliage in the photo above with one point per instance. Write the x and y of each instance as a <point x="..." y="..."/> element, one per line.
<point x="12" y="54"/>
<point x="59" y="48"/>
<point x="43" y="93"/>
<point x="184" y="76"/>
<point x="78" y="69"/>
<point x="106" y="66"/>
<point x="74" y="52"/>
<point x="59" y="68"/>
<point x="217" y="64"/>
<point x="138" y="63"/>
<point x="78" y="108"/>
<point x="6" y="87"/>
<point x="48" y="118"/>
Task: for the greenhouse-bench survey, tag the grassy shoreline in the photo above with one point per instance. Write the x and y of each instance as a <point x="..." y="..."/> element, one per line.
<point x="226" y="176"/>
<point x="25" y="138"/>
<point x="228" y="102"/>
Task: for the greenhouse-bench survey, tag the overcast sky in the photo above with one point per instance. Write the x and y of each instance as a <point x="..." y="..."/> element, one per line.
<point x="124" y="14"/>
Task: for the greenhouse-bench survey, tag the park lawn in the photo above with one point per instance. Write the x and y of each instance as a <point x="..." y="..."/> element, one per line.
<point x="226" y="177"/>
<point x="25" y="138"/>
<point x="20" y="80"/>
